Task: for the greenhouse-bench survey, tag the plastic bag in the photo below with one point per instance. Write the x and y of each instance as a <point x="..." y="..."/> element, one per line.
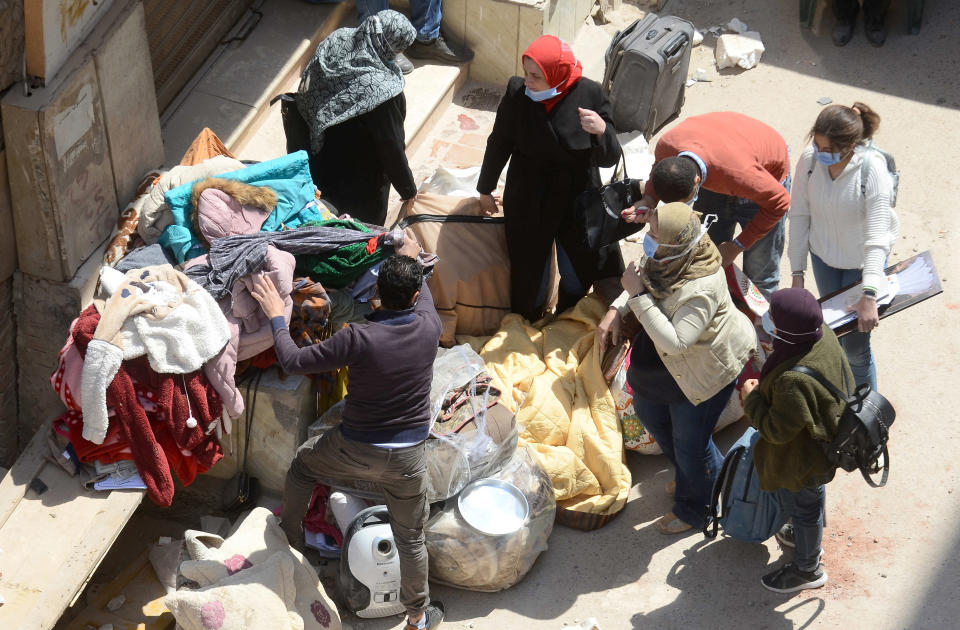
<point x="462" y="556"/>
<point x="636" y="437"/>
<point x="637" y="152"/>
<point x="743" y="50"/>
<point x="455" y="182"/>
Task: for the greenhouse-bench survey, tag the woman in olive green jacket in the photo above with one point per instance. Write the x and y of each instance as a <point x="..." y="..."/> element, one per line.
<point x="792" y="412"/>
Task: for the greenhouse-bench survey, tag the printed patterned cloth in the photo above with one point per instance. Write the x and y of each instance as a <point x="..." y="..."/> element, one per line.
<point x="125" y="237"/>
<point x="352" y="72"/>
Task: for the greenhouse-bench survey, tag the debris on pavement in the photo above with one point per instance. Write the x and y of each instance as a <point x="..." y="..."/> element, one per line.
<point x="116" y="603"/>
<point x="741" y="50"/>
<point x="825" y="100"/>
<point x="737" y="26"/>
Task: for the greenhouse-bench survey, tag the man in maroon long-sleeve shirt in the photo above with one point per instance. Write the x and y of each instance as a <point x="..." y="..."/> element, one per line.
<point x="386" y="417"/>
<point x="735" y="167"/>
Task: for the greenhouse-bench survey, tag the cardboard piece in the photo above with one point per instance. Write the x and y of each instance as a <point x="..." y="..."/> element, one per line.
<point x="55" y="28"/>
<point x="45" y="310"/>
<point x="125" y="75"/>
<point x="8" y="240"/>
<point x="8" y="376"/>
<point x="61" y="182"/>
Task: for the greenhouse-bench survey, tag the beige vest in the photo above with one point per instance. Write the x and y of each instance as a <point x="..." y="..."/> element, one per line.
<point x="724" y="347"/>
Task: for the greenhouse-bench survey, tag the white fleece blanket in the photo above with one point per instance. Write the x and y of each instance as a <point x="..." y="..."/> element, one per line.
<point x="181" y="341"/>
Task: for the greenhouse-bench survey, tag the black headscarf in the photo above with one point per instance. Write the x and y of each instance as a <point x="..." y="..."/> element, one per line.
<point x="797" y="316"/>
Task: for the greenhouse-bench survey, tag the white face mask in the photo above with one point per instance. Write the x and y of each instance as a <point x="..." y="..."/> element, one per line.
<point x="768" y="325"/>
<point x="704" y="227"/>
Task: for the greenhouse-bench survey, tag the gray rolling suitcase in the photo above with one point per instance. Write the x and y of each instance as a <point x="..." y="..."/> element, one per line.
<point x="646" y="72"/>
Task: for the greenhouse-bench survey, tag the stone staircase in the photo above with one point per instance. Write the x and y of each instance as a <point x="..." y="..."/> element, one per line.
<point x="231" y="93"/>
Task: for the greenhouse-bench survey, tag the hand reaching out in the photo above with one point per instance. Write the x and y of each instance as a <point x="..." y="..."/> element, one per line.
<point x="591" y="122"/>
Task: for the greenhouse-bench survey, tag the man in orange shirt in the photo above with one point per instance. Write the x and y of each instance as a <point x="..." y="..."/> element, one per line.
<point x="738" y="168"/>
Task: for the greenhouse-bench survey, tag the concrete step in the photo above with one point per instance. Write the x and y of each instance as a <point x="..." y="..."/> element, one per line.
<point x="429" y="91"/>
<point x="232" y="92"/>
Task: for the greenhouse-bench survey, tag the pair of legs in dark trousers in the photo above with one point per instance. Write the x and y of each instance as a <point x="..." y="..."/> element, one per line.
<point x="400" y="473"/>
<point x="873" y="10"/>
<point x="874" y="16"/>
<point x="805" y="509"/>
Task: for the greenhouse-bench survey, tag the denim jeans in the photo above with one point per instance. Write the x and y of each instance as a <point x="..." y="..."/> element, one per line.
<point x="855" y="344"/>
<point x="761" y="263"/>
<point x="685" y="433"/>
<point x="425" y="15"/>
<point x="805" y="509"/>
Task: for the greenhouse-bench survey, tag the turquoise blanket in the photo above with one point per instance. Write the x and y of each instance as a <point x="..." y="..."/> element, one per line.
<point x="288" y="176"/>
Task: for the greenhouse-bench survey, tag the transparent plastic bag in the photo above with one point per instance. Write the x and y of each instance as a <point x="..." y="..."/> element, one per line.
<point x="462" y="556"/>
<point x="455" y="459"/>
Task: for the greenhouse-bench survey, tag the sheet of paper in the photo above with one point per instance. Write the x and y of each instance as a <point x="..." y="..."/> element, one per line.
<point x="133" y="482"/>
<point x="836" y="310"/>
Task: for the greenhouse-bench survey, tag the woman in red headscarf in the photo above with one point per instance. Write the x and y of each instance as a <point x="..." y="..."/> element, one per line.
<point x="555" y="128"/>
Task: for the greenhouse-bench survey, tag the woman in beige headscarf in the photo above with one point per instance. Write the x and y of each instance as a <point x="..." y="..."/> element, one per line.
<point x="686" y="359"/>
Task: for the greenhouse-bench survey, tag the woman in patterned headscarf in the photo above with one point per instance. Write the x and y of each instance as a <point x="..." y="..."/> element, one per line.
<point x="351" y="96"/>
<point x="685" y="361"/>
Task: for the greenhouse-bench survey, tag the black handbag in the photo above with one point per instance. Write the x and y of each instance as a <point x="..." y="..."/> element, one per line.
<point x="597" y="210"/>
<point x="862" y="430"/>
<point x="294" y="126"/>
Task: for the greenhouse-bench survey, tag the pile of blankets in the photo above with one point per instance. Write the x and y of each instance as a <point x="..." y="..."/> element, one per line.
<point x="148" y="370"/>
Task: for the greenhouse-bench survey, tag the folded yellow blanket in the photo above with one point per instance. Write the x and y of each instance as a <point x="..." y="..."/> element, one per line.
<point x="551" y="377"/>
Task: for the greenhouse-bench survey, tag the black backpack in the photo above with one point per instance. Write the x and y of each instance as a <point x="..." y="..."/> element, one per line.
<point x="862" y="430"/>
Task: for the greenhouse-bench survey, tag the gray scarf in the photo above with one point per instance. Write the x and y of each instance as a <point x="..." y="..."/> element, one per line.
<point x="353" y="71"/>
<point x="233" y="257"/>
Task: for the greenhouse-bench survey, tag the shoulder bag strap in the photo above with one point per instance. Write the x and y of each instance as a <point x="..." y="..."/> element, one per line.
<point x="822" y="380"/>
<point x="884" y="475"/>
<point x="452" y="218"/>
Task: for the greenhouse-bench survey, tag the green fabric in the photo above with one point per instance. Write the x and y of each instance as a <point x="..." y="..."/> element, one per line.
<point x="346" y="264"/>
<point x="790" y="410"/>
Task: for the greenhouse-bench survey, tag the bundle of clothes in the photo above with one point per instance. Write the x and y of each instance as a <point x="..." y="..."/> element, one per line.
<point x="247" y="578"/>
<point x="148" y="370"/>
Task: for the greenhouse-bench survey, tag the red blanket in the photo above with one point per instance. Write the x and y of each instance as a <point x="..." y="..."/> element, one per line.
<point x="160" y="441"/>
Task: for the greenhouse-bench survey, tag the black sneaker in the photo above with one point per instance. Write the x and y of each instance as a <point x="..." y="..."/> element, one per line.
<point x="876" y="33"/>
<point x="406" y="66"/>
<point x="786" y="536"/>
<point x="438" y="49"/>
<point x="788" y="579"/>
<point x="843" y="33"/>
<point x="434" y="616"/>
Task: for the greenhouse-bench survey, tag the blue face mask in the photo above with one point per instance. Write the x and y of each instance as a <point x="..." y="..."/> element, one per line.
<point x="696" y="195"/>
<point x="826" y="158"/>
<point x="542" y="95"/>
<point x="649" y="246"/>
<point x="768" y="326"/>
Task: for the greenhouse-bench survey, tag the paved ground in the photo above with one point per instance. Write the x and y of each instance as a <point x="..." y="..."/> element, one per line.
<point x="892" y="554"/>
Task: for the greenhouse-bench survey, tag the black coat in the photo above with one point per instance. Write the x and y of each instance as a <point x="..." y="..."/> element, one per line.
<point x="359" y="160"/>
<point x="552" y="160"/>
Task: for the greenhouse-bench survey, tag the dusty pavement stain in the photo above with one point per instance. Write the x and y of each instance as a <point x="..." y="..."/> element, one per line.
<point x="849" y="547"/>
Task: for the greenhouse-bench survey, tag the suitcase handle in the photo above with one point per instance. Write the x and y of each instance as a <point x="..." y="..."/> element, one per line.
<point x="676" y="46"/>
